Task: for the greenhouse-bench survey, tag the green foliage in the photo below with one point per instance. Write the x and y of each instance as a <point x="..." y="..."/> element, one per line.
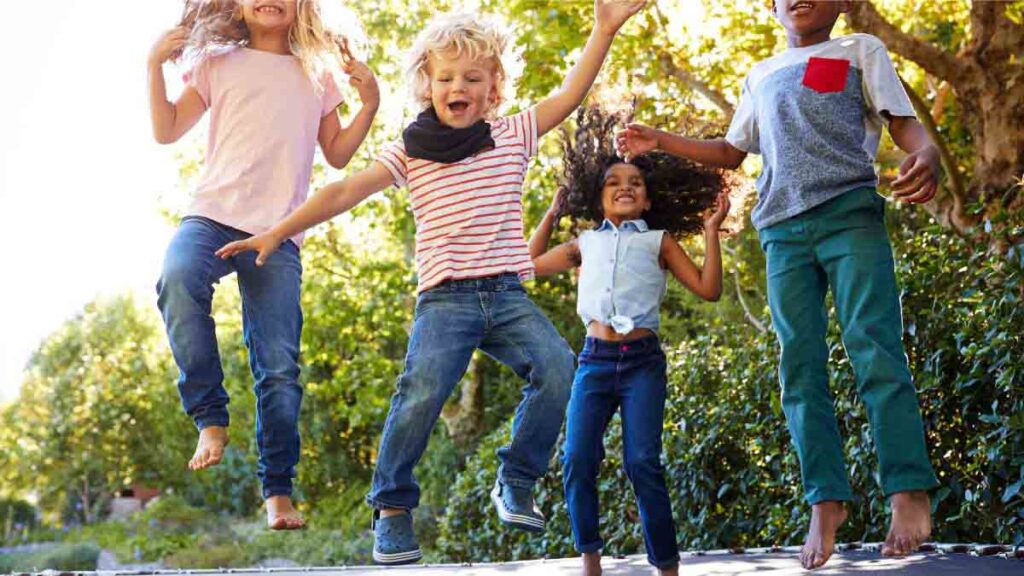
<point x="80" y="557"/>
<point x="733" y="478"/>
<point x="17" y="518"/>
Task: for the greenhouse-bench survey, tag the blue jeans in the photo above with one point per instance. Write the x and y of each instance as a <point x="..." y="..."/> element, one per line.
<point x="272" y="325"/>
<point x="631" y="376"/>
<point x="452" y="320"/>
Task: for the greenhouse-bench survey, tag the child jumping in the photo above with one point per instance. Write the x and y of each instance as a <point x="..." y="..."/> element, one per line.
<point x="639" y="207"/>
<point x="263" y="71"/>
<point x="815" y="113"/>
<point x="464" y="169"/>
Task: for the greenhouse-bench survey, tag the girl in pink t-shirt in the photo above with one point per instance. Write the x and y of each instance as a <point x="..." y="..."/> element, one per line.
<point x="264" y="72"/>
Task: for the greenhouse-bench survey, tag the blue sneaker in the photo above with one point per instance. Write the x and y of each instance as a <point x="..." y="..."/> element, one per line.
<point x="516" y="507"/>
<point x="394" y="541"/>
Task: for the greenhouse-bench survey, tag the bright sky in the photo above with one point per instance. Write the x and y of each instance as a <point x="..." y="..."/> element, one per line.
<point x="80" y="175"/>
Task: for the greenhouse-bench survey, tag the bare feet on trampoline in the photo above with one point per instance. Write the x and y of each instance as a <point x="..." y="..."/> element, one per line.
<point x="210" y="448"/>
<point x="281" y="515"/>
<point x="911" y="523"/>
<point x="826" y="517"/>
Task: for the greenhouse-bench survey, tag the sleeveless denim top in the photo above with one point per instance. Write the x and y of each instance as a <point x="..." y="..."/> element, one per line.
<point x="621" y="280"/>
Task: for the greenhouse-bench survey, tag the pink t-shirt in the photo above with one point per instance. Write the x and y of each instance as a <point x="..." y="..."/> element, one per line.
<point x="264" y="119"/>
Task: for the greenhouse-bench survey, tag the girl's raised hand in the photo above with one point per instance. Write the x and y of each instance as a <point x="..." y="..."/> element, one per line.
<point x="557" y="208"/>
<point x="168" y="45"/>
<point x="635" y="140"/>
<point x="713" y="218"/>
<point x="359" y="75"/>
<point x="264" y="244"/>
<point x="612" y="14"/>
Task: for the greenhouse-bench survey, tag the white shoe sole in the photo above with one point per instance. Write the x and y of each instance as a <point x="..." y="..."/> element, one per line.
<point x="516" y="520"/>
<point x="398" y="557"/>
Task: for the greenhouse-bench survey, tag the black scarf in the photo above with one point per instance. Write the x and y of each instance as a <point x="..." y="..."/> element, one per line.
<point x="428" y="139"/>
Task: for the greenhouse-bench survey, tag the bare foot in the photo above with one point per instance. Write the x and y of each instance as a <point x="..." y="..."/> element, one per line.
<point x="911" y="523"/>
<point x="210" y="449"/>
<point x="591" y="564"/>
<point x="281" y="515"/>
<point x="673" y="571"/>
<point x="826" y="517"/>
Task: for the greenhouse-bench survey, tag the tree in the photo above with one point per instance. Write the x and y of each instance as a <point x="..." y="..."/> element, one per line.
<point x="986" y="76"/>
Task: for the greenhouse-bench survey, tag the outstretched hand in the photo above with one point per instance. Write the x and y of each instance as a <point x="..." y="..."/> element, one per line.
<point x="635" y="140"/>
<point x="612" y="14"/>
<point x="264" y="244"/>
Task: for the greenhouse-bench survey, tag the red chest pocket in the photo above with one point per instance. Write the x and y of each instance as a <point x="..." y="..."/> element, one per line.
<point x="826" y="74"/>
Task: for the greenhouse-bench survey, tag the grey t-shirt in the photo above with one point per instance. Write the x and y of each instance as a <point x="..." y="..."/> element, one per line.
<point x="815" y="114"/>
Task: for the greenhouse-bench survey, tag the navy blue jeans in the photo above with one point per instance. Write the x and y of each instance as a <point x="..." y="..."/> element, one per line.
<point x="272" y="325"/>
<point x="631" y="376"/>
<point x="495" y="315"/>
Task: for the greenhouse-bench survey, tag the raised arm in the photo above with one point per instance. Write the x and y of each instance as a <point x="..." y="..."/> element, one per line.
<point x="340" y="144"/>
<point x="562" y="257"/>
<point x="170" y="121"/>
<point x="637" y="139"/>
<point x="609" y="16"/>
<point x="705" y="282"/>
<point x="328" y="202"/>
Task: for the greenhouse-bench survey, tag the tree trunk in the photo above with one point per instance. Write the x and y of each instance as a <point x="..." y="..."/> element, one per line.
<point x="465" y="419"/>
<point x="987" y="77"/>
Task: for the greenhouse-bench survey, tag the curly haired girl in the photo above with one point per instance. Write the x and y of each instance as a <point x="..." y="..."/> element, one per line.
<point x="263" y="70"/>
<point x="639" y="206"/>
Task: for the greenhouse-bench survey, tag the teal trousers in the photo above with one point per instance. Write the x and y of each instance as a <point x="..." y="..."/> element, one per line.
<point x="842" y="245"/>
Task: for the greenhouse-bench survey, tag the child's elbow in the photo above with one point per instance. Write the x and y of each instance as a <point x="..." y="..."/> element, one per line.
<point x="164" y="138"/>
<point x="712" y="295"/>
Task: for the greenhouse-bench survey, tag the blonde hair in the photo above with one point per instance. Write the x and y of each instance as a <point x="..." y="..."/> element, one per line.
<point x="217" y="24"/>
<point x="469" y="34"/>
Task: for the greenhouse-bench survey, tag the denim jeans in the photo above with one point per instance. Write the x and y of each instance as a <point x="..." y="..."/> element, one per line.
<point x="495" y="315"/>
<point x="629" y="376"/>
<point x="272" y="325"/>
<point x="842" y="245"/>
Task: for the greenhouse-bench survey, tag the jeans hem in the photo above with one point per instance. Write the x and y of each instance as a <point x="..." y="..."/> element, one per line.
<point x="590" y="548"/>
<point x="378" y="504"/>
<point x="664" y="564"/>
<point x="819" y="497"/>
<point x="203" y="422"/>
<point x="518" y="483"/>
<point x="270" y="491"/>
<point x="922" y="485"/>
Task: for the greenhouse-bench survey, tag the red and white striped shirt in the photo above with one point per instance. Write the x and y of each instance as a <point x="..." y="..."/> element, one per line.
<point x="469" y="214"/>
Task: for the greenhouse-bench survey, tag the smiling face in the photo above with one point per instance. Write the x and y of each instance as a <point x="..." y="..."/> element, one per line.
<point x="809" y="18"/>
<point x="624" y="194"/>
<point x="269" y="15"/>
<point x="462" y="89"/>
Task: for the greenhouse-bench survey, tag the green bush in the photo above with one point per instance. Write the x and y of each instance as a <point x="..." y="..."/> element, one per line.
<point x="734" y="479"/>
<point x="66" y="557"/>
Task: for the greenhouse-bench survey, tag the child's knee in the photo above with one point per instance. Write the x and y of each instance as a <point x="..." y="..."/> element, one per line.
<point x="643" y="466"/>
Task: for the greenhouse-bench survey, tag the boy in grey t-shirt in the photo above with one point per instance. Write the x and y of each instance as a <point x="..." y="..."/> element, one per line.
<point x="815" y="113"/>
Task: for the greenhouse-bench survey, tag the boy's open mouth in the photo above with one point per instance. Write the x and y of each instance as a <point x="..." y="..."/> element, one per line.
<point x="802" y="7"/>
<point x="458" y="106"/>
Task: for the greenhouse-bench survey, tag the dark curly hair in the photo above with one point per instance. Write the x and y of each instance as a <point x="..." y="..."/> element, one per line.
<point x="679" y="190"/>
